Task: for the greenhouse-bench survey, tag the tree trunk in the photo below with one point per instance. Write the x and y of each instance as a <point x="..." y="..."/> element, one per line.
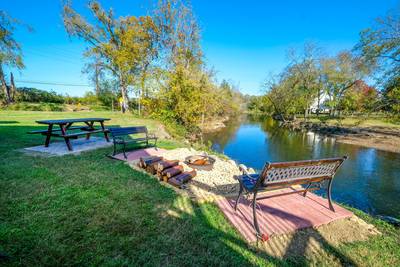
<point x="13" y="89"/>
<point x="96" y="78"/>
<point x="139" y="104"/>
<point x="319" y="102"/>
<point x="4" y="86"/>
<point x="125" y="100"/>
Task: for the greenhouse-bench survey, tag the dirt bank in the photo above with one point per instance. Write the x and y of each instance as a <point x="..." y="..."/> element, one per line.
<point x="382" y="138"/>
<point x="212" y="125"/>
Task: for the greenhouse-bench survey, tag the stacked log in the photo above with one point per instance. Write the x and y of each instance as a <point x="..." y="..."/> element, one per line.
<point x="171" y="172"/>
<point x="148" y="163"/>
<point x="167" y="170"/>
<point x="165" y="164"/>
<point x="182" y="178"/>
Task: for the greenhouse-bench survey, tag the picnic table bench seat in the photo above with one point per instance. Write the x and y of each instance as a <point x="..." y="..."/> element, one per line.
<point x="44" y="132"/>
<point x="311" y="173"/>
<point x="120" y="137"/>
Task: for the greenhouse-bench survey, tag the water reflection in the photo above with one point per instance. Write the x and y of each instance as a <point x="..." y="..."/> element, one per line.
<point x="369" y="179"/>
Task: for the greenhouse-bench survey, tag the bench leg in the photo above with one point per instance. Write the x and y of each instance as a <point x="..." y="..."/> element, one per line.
<point x="48" y="135"/>
<point x="329" y="195"/>
<point x="305" y="191"/>
<point x="238" y="197"/>
<point x="115" y="148"/>
<point x="124" y="150"/>
<point x="256" y="227"/>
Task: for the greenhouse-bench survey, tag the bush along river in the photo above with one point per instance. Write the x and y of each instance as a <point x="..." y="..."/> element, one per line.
<point x="369" y="180"/>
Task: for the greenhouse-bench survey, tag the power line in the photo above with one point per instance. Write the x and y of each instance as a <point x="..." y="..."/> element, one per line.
<point x="53" y="83"/>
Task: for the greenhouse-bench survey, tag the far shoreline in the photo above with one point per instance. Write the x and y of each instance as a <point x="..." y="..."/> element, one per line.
<point x="377" y="137"/>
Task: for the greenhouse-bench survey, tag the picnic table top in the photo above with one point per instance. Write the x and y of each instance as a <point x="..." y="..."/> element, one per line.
<point x="65" y="121"/>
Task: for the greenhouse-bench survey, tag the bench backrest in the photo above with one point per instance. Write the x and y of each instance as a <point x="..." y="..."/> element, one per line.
<point x="299" y="172"/>
<point x="121" y="131"/>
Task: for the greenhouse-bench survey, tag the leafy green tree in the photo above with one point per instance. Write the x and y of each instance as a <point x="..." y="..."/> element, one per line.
<point x="123" y="43"/>
<point x="304" y="68"/>
<point x="339" y="74"/>
<point x="282" y="94"/>
<point x="10" y="53"/>
<point x="380" y="46"/>
<point x="187" y="93"/>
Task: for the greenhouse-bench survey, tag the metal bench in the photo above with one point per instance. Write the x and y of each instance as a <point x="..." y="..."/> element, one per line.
<point x="119" y="137"/>
<point x="311" y="173"/>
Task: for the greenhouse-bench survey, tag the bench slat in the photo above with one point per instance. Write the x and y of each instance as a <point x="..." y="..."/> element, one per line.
<point x="54" y="130"/>
<point x="127" y="130"/>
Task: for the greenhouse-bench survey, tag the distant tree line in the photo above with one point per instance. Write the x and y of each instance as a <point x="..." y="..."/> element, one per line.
<point x="337" y="83"/>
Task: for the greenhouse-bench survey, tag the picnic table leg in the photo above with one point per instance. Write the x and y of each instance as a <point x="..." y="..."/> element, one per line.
<point x="48" y="136"/>
<point x="104" y="131"/>
<point x="66" y="139"/>
<point x="90" y="124"/>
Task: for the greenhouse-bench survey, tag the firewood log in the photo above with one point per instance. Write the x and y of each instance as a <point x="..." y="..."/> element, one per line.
<point x="170" y="172"/>
<point x="164" y="164"/>
<point x="151" y="168"/>
<point x="182" y="178"/>
<point x="145" y="161"/>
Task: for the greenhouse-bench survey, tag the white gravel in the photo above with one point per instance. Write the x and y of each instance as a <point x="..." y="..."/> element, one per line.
<point x="218" y="181"/>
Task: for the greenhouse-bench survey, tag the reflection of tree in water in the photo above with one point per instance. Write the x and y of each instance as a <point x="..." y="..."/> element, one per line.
<point x="382" y="180"/>
<point x="221" y="138"/>
<point x="284" y="144"/>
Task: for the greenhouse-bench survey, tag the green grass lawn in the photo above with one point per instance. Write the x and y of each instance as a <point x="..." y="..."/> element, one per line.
<point x="91" y="210"/>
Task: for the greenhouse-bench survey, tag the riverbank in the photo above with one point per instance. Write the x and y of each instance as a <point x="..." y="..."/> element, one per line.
<point x="214" y="125"/>
<point x="91" y="210"/>
<point x="382" y="137"/>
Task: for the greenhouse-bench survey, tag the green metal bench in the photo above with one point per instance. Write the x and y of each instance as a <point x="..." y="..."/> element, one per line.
<point x="120" y="134"/>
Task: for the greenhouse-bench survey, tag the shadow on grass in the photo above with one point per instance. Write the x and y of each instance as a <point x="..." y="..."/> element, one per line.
<point x="8" y="122"/>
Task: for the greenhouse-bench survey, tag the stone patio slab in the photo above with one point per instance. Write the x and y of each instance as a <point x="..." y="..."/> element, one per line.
<point x="78" y="145"/>
<point x="281" y="214"/>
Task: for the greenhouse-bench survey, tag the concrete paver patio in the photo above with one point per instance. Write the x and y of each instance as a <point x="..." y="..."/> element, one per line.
<point x="79" y="145"/>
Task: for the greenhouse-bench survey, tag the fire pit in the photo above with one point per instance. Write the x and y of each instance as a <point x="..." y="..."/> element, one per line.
<point x="200" y="162"/>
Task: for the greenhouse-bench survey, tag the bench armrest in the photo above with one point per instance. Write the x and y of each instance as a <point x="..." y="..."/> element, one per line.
<point x="244" y="170"/>
<point x="119" y="138"/>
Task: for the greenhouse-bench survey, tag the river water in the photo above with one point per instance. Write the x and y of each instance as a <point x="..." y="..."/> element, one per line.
<point x="369" y="180"/>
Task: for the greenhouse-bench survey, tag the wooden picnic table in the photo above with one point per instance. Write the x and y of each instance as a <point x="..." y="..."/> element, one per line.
<point x="65" y="129"/>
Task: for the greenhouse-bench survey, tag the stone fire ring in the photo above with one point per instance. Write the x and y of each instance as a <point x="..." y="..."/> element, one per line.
<point x="200" y="162"/>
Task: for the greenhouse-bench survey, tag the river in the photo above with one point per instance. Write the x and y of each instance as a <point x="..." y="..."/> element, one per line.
<point x="369" y="180"/>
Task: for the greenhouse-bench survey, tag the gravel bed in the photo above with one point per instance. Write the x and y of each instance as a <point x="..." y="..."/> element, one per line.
<point x="218" y="181"/>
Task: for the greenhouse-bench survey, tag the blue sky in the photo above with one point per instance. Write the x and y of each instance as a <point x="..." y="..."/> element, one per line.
<point x="243" y="41"/>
